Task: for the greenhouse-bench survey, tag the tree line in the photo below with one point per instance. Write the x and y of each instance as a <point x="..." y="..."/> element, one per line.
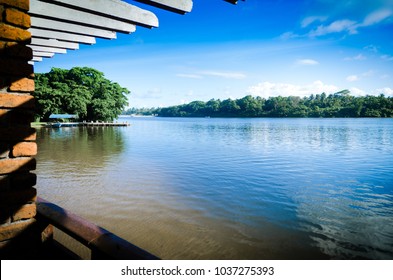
<point x="82" y="91"/>
<point x="337" y="105"/>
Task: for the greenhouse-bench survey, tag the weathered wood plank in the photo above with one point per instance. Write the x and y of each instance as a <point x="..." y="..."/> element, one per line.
<point x="54" y="43"/>
<point x="177" y="6"/>
<point x="89" y="234"/>
<point x="56" y="25"/>
<point x="47" y="49"/>
<point x="114" y="9"/>
<point x="42" y="33"/>
<point x="42" y="54"/>
<point x="60" y="13"/>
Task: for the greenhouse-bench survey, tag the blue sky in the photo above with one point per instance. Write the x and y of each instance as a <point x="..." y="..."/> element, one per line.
<point x="258" y="47"/>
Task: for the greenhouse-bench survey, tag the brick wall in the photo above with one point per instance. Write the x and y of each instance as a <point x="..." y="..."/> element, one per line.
<point x="17" y="138"/>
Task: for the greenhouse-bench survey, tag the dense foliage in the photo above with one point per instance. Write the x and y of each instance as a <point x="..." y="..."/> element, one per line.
<point x="81" y="90"/>
<point x="338" y="105"/>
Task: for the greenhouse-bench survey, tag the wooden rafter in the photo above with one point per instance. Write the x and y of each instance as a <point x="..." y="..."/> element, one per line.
<point x="60" y="25"/>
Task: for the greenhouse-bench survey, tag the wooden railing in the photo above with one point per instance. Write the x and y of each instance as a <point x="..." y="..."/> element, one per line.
<point x="102" y="243"/>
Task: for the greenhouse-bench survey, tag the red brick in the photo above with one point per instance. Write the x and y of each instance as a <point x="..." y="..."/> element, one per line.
<point x="10" y="165"/>
<point x="26" y="211"/>
<point x="17" y="17"/>
<point x="8" y="100"/>
<point x="21" y="4"/>
<point x="14" y="33"/>
<point x="18" y="134"/>
<point x="23" y="84"/>
<point x="14" y="229"/>
<point x="24" y="149"/>
<point x="16" y="198"/>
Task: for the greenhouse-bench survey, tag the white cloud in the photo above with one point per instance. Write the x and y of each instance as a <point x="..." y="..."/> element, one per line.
<point x="385" y="76"/>
<point x="352" y="78"/>
<point x="371" y="48"/>
<point x="386" y="91"/>
<point x="309" y="20"/>
<point x="190" y="76"/>
<point x="387" y="57"/>
<point x="377" y="17"/>
<point x="357" y="57"/>
<point x="337" y="26"/>
<point x="369" y="73"/>
<point x="289" y="35"/>
<point x="268" y="89"/>
<point x="351" y="26"/>
<point x="357" y="91"/>
<point x="226" y="75"/>
<point x="150" y="93"/>
<point x="307" y="62"/>
<point x="203" y="74"/>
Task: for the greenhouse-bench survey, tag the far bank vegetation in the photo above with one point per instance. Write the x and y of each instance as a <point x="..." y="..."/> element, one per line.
<point x="338" y="105"/>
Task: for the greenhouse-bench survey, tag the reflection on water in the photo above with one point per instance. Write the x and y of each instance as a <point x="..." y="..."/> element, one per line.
<point x="230" y="188"/>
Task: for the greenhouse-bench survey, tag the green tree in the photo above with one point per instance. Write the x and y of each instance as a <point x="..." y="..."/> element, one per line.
<point x="81" y="90"/>
<point x="340" y="104"/>
<point x="229" y="108"/>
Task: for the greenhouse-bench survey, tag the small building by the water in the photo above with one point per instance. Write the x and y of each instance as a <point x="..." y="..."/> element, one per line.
<point x="59" y="117"/>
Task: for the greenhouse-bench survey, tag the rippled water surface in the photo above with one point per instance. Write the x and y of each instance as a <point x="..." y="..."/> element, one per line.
<point x="230" y="188"/>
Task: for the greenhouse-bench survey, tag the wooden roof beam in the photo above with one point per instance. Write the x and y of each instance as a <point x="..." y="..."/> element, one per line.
<point x="42" y="54"/>
<point x="55" y="25"/>
<point x="115" y="9"/>
<point x="233" y="1"/>
<point x="60" y="13"/>
<point x="68" y="37"/>
<point x="177" y="6"/>
<point x="54" y="43"/>
<point x="47" y="49"/>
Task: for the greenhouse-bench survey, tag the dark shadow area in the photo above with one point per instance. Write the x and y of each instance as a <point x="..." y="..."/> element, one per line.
<point x="20" y="232"/>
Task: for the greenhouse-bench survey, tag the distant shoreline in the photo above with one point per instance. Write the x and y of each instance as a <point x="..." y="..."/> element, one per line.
<point x="241" y="117"/>
<point x="337" y="105"/>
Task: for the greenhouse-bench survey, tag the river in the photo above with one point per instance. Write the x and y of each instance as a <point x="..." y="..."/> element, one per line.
<point x="206" y="188"/>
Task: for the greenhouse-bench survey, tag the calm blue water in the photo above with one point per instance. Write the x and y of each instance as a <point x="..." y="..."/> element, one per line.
<point x="230" y="188"/>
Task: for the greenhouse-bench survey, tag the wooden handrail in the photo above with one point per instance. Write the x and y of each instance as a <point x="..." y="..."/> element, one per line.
<point x="103" y="243"/>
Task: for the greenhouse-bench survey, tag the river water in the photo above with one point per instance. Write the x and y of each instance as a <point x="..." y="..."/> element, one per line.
<point x="230" y="188"/>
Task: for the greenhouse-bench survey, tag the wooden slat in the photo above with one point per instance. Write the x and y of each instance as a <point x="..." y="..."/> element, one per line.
<point x="89" y="234"/>
<point x="54" y="43"/>
<point x="114" y="9"/>
<point x="47" y="49"/>
<point x="56" y="25"/>
<point x="231" y="1"/>
<point x="42" y="33"/>
<point x="60" y="13"/>
<point x="177" y="6"/>
<point x="43" y="54"/>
